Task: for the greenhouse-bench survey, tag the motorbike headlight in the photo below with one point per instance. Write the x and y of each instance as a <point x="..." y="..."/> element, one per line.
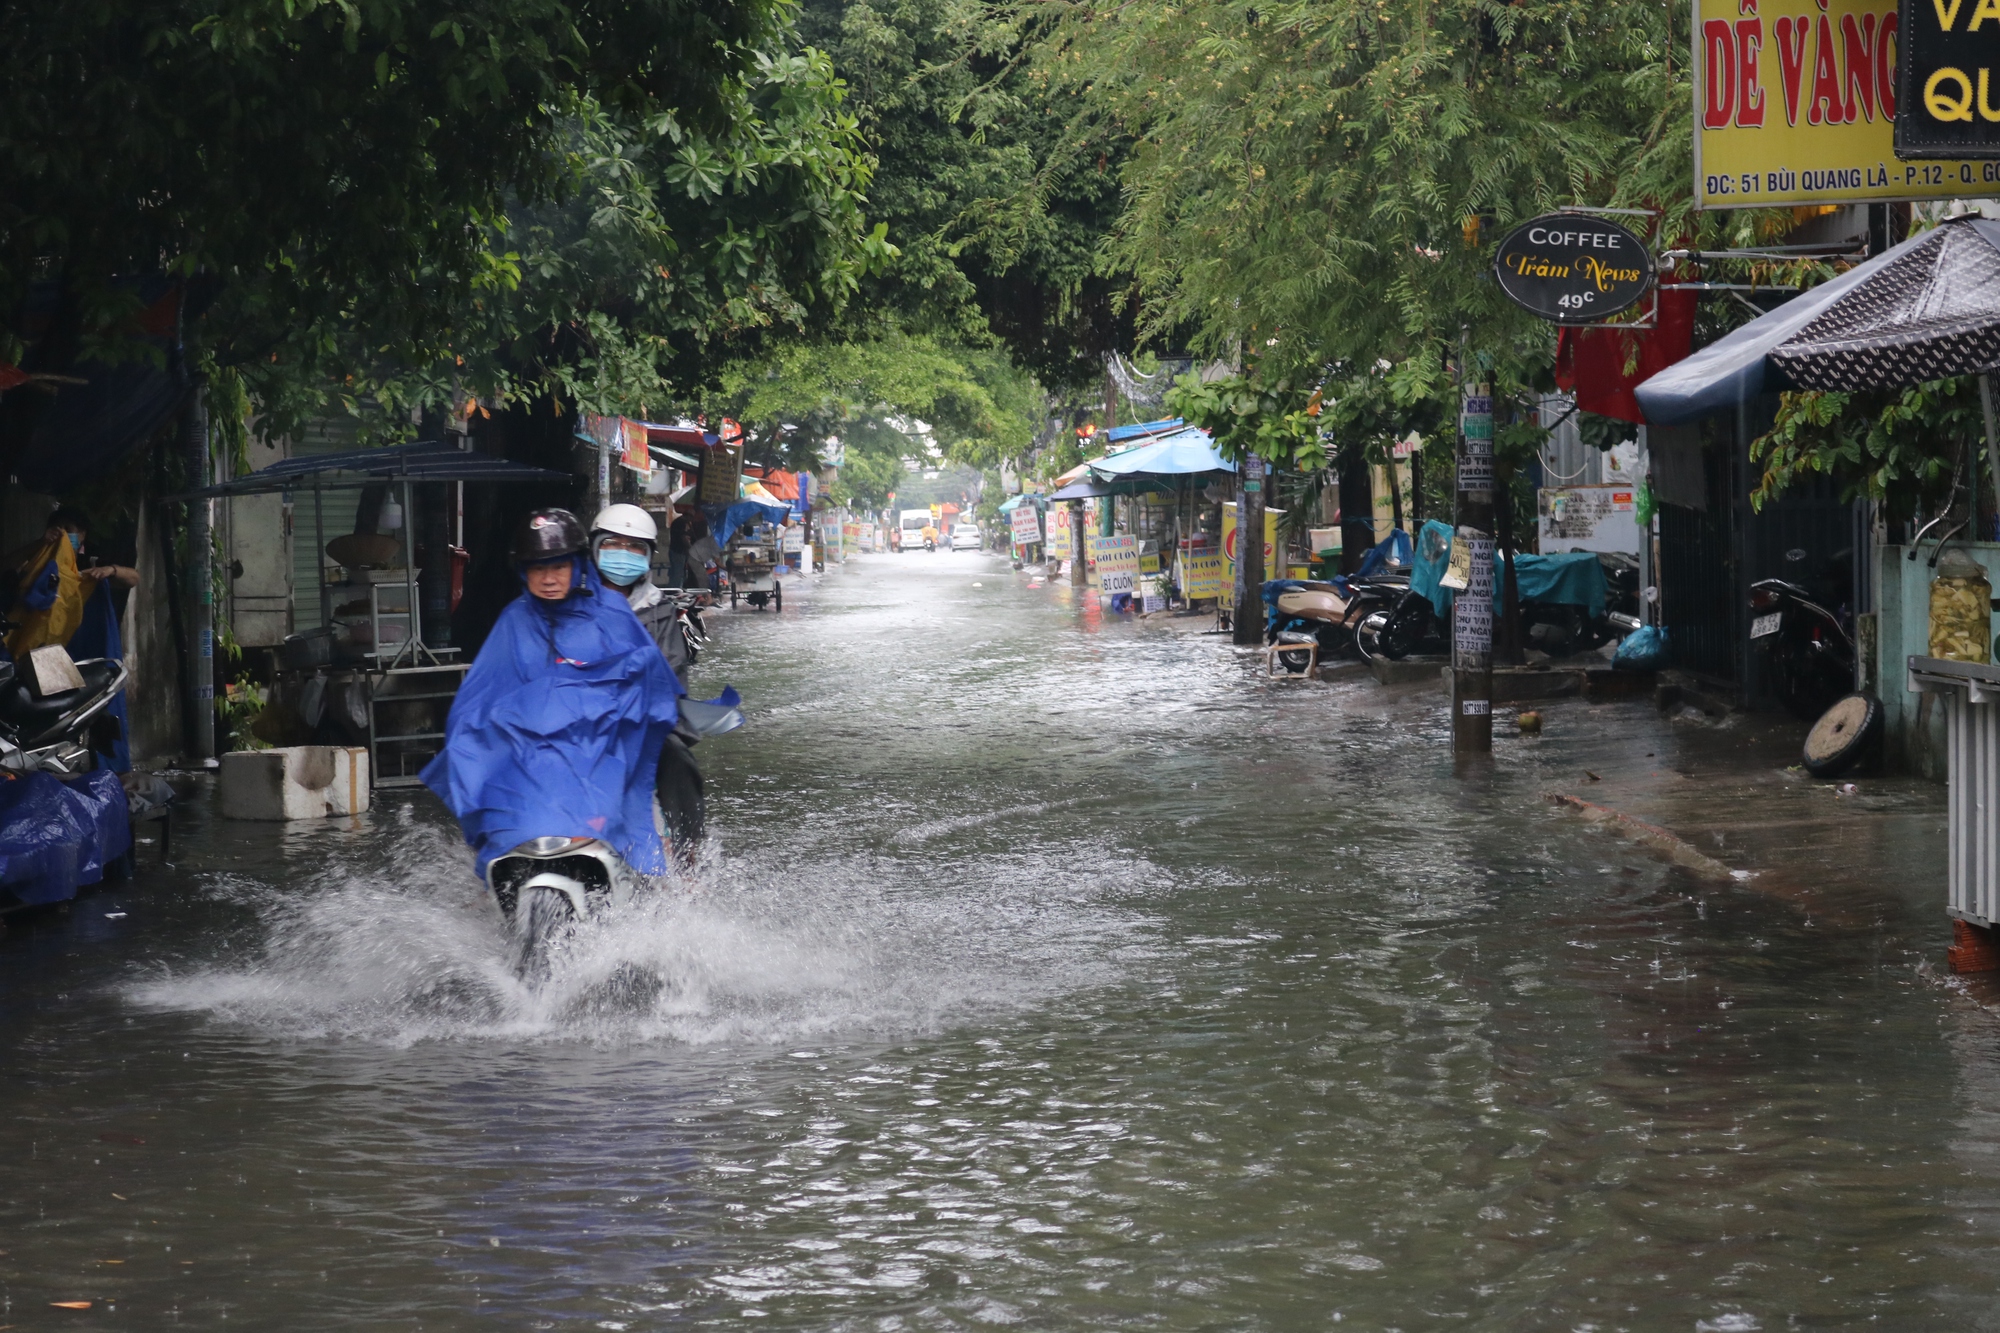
<point x="551" y="846"/>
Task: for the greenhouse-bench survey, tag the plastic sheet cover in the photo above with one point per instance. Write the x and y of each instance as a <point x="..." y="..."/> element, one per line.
<point x="557" y="729"/>
<point x="56" y="836"/>
<point x="1572" y="579"/>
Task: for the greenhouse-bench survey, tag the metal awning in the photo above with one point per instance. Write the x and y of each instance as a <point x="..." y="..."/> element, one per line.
<point x="683" y="461"/>
<point x="428" y="460"/>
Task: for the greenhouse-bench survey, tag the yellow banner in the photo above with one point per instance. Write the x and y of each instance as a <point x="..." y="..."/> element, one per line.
<point x="1057" y="545"/>
<point x="1271" y="517"/>
<point x="1795" y="103"/>
<point x="1203" y="575"/>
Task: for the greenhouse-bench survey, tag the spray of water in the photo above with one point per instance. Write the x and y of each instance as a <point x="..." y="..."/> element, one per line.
<point x="404" y="946"/>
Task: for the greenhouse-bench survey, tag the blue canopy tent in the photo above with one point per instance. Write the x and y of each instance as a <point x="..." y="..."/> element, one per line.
<point x="724" y="521"/>
<point x="1142" y="430"/>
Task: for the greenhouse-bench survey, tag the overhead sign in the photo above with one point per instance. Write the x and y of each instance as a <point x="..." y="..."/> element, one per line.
<point x="624" y="437"/>
<point x="1945" y="94"/>
<point x="1797" y="102"/>
<point x="1117" y="562"/>
<point x="1573" y="268"/>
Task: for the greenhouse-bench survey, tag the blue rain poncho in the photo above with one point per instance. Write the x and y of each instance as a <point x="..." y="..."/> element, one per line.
<point x="558" y="727"/>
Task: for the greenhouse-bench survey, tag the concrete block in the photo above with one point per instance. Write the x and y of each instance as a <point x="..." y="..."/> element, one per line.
<point x="1387" y="672"/>
<point x="1601" y="683"/>
<point x="299" y="782"/>
<point x="1520" y="685"/>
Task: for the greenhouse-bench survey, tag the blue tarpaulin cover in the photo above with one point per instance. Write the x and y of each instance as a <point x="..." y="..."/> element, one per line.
<point x="1572" y="579"/>
<point x="56" y="836"/>
<point x="557" y="730"/>
<point x="724" y="520"/>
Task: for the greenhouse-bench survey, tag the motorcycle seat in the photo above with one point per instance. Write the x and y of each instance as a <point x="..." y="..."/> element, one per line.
<point x="31" y="715"/>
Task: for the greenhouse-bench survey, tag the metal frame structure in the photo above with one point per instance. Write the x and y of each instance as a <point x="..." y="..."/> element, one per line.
<point x="1971" y="691"/>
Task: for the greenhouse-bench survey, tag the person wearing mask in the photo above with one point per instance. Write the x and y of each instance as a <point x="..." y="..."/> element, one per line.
<point x="622" y="540"/>
<point x="558" y="727"/>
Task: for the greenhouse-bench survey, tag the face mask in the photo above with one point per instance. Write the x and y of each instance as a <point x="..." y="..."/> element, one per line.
<point x="623" y="567"/>
<point x="76" y="541"/>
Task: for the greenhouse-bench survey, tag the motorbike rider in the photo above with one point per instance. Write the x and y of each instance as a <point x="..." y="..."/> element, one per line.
<point x="623" y="538"/>
<point x="558" y="727"/>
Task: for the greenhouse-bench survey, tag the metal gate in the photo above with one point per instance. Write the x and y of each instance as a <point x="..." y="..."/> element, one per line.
<point x="1971" y="695"/>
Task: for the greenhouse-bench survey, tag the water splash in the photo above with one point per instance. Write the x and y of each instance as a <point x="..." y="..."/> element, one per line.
<point x="407" y="947"/>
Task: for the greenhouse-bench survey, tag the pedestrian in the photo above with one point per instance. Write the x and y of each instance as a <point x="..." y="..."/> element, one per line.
<point x="72" y="598"/>
<point x="680" y="536"/>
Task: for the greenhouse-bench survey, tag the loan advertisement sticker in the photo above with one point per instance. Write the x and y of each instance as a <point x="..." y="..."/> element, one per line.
<point x="1796" y="102"/>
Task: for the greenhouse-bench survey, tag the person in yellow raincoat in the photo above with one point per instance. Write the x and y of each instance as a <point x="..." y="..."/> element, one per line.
<point x="45" y="593"/>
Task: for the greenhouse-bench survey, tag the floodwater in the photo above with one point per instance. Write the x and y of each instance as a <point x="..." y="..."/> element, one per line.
<point x="1047" y="970"/>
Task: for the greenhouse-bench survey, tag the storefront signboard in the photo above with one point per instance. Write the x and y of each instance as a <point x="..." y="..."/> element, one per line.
<point x="1798" y="102"/>
<point x="1203" y="574"/>
<point x="1057" y="545"/>
<point x="1026" y="525"/>
<point x="1271" y="517"/>
<point x="1572" y="268"/>
<point x="1117" y="560"/>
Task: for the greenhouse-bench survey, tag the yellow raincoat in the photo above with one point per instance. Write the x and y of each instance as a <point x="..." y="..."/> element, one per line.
<point x="55" y="623"/>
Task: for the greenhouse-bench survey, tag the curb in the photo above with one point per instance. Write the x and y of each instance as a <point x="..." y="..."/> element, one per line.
<point x="1675" y="848"/>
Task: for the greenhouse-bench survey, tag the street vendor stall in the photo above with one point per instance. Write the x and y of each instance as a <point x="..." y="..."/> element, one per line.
<point x="367" y="672"/>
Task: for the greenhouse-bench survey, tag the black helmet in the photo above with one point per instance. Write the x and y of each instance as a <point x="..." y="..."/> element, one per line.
<point x="547" y="534"/>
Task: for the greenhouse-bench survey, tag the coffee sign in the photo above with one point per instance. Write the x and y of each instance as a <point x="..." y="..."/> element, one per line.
<point x="1573" y="268"/>
<point x="1945" y="103"/>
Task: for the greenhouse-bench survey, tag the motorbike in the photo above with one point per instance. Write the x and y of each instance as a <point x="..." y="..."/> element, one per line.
<point x="1328" y="613"/>
<point x="56" y="730"/>
<point x="547" y="885"/>
<point x="1556" y="628"/>
<point x="1807" y="649"/>
<point x="690" y="634"/>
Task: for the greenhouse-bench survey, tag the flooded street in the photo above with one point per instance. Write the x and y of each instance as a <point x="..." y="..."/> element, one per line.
<point x="1048" y="970"/>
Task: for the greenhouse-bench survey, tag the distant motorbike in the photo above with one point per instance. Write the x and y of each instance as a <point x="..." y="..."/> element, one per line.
<point x="1807" y="650"/>
<point x="547" y="885"/>
<point x="690" y="635"/>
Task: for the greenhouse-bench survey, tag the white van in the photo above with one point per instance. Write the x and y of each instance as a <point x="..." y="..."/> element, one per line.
<point x="913" y="522"/>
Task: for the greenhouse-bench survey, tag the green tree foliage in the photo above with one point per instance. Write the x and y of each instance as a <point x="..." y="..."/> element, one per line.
<point x="1902" y="447"/>
<point x="998" y="195"/>
<point x="325" y="149"/>
<point x="1321" y="182"/>
<point x="415" y="203"/>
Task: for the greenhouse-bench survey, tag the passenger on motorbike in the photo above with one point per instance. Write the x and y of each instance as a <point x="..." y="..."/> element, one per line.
<point x="622" y="540"/>
<point x="557" y="729"/>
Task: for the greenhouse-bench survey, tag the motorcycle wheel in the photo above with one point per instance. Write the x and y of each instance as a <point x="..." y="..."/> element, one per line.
<point x="678" y="785"/>
<point x="1368" y="635"/>
<point x="1844" y="735"/>
<point x="543" y="917"/>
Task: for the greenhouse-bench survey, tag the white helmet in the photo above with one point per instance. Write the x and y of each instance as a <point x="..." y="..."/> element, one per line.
<point x="625" y="521"/>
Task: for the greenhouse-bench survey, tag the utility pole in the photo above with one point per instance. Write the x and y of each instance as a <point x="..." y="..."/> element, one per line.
<point x="1248" y="618"/>
<point x="1472" y="613"/>
<point x="200" y="689"/>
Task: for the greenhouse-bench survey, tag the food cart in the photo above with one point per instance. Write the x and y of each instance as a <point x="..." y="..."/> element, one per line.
<point x="751" y="567"/>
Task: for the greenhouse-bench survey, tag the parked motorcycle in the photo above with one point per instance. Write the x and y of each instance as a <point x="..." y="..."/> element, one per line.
<point x="1559" y="629"/>
<point x="1807" y="650"/>
<point x="690" y="635"/>
<point x="56" y="731"/>
<point x="547" y="885"/>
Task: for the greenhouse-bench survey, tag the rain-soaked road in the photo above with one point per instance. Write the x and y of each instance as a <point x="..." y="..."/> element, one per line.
<point x="1050" y="972"/>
